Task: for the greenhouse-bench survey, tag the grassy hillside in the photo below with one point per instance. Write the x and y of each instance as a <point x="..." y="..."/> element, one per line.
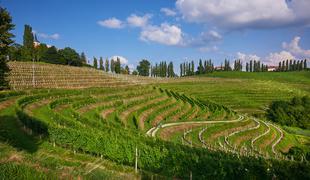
<point x="245" y="92"/>
<point x="94" y="132"/>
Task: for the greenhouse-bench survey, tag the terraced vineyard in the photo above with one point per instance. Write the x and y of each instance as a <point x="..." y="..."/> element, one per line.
<point x="174" y="132"/>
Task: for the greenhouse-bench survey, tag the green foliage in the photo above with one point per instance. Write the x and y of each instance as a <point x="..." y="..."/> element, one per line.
<point x="5" y="40"/>
<point x="294" y="113"/>
<point x="52" y="56"/>
<point x="70" y="56"/>
<point x="144" y="68"/>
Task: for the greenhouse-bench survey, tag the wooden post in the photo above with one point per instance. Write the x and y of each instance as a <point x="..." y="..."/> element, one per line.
<point x="136" y="163"/>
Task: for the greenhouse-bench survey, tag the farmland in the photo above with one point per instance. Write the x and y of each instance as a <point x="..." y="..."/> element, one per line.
<point x="195" y="126"/>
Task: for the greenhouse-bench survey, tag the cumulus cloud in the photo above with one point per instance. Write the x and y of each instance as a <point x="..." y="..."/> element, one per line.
<point x="168" y="12"/>
<point x="164" y="34"/>
<point x="294" y="48"/>
<point x="113" y="23"/>
<point x="122" y="59"/>
<point x="236" y="14"/>
<point x="275" y="58"/>
<point x="247" y="57"/>
<point x="138" y="21"/>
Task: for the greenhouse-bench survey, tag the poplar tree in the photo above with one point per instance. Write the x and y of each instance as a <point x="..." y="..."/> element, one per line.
<point x="83" y="58"/>
<point x="107" y="65"/>
<point x="5" y="41"/>
<point x="181" y="70"/>
<point x="28" y="48"/>
<point x="95" y="63"/>
<point x="192" y="68"/>
<point x="305" y="64"/>
<point x="101" y="67"/>
<point x="112" y="66"/>
<point x="200" y="67"/>
<point x="251" y="64"/>
<point x="118" y="66"/>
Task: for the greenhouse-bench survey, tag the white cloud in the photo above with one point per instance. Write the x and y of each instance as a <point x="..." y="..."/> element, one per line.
<point x="247" y="57"/>
<point x="208" y="49"/>
<point x="113" y="23"/>
<point x="138" y="21"/>
<point x="237" y="14"/>
<point x="168" y="12"/>
<point x="54" y="36"/>
<point x="122" y="59"/>
<point x="211" y="36"/>
<point x="163" y="34"/>
<point x="275" y="58"/>
<point x="294" y="48"/>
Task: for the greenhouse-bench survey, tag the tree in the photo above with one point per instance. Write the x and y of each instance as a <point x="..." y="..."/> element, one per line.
<point x="251" y="66"/>
<point x="126" y="70"/>
<point x="118" y="66"/>
<point x="170" y="70"/>
<point x="40" y="50"/>
<point x="192" y="68"/>
<point x="101" y="67"/>
<point x="28" y="48"/>
<point x="5" y="40"/>
<point x="70" y="56"/>
<point x="15" y="52"/>
<point x="144" y="67"/>
<point x="247" y="67"/>
<point x="95" y="63"/>
<point x="52" y="56"/>
<point x="305" y="64"/>
<point x="135" y="72"/>
<point x="112" y="66"/>
<point x="107" y="65"/>
<point x="83" y="58"/>
<point x="200" y="67"/>
<point x="181" y="69"/>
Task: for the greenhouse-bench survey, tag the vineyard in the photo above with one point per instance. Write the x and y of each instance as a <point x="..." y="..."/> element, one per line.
<point x="99" y="115"/>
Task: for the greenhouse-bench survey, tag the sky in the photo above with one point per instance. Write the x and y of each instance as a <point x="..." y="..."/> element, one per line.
<point x="170" y="30"/>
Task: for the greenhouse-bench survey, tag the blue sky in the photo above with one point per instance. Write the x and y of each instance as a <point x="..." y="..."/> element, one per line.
<point x="172" y="30"/>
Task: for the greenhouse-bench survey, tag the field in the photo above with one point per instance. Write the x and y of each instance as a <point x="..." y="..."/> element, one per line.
<point x="61" y="125"/>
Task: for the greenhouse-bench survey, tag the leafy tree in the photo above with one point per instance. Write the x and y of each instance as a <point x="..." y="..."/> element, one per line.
<point x="135" y="72"/>
<point x="70" y="56"/>
<point x="15" y="52"/>
<point x="28" y="48"/>
<point x="5" y="40"/>
<point x="95" y="63"/>
<point x="126" y="70"/>
<point x="40" y="51"/>
<point x="200" y="67"/>
<point x="144" y="67"/>
<point x="52" y="56"/>
<point x="112" y="65"/>
<point x="170" y="70"/>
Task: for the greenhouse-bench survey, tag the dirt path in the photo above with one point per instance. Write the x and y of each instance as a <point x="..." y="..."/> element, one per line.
<point x="152" y="132"/>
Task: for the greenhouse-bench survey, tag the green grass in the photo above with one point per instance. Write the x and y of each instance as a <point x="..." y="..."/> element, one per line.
<point x="245" y="92"/>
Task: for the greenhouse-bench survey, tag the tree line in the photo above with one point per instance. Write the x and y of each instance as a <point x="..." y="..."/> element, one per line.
<point x="112" y="65"/>
<point x="256" y="66"/>
<point x="32" y="50"/>
<point x="163" y="69"/>
<point x="292" y="65"/>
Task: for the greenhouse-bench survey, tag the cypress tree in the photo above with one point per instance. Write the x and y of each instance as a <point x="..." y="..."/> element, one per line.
<point x="28" y="48"/>
<point x="83" y="58"/>
<point x="251" y="64"/>
<point x="279" y="68"/>
<point x="305" y="64"/>
<point x="193" y="68"/>
<point x="95" y="63"/>
<point x="5" y="41"/>
<point x="117" y="66"/>
<point x="247" y="67"/>
<point x="112" y="67"/>
<point x="107" y="65"/>
<point x="181" y="70"/>
<point x="200" y="67"/>
<point x="101" y="67"/>
<point x="290" y="66"/>
<point x="286" y="66"/>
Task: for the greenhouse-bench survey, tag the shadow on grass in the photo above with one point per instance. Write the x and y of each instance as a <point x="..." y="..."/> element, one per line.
<point x="11" y="132"/>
